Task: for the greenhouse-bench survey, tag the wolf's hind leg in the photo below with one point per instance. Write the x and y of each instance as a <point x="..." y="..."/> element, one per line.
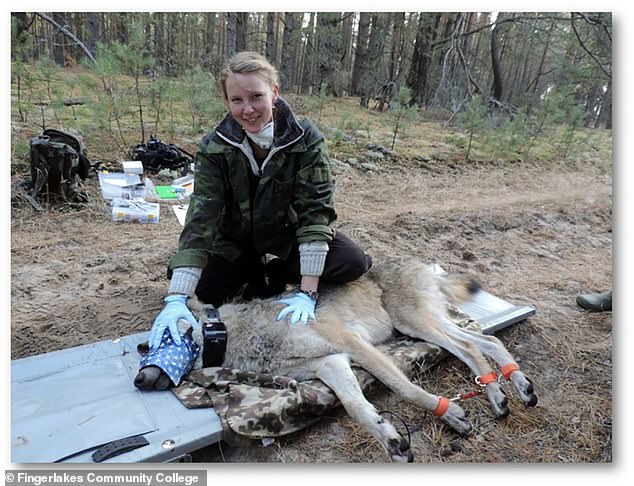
<point x="495" y="349"/>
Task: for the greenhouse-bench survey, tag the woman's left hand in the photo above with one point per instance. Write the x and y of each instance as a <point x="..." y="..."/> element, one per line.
<point x="300" y="305"/>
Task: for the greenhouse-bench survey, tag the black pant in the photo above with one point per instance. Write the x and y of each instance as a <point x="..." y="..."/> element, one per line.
<point x="222" y="280"/>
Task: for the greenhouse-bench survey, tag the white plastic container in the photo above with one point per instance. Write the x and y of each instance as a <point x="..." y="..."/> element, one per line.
<point x="132" y="167"/>
<point x="135" y="211"/>
<point x="117" y="185"/>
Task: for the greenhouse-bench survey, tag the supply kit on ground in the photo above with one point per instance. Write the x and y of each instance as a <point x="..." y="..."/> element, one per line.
<point x="135" y="198"/>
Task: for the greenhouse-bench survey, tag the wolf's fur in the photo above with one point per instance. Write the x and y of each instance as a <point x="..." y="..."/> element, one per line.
<point x="400" y="295"/>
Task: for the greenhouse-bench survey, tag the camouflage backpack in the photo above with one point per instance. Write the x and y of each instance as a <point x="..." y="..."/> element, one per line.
<point x="58" y="162"/>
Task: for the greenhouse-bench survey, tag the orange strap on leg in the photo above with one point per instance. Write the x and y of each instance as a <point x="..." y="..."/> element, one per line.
<point x="441" y="408"/>
<point x="486" y="379"/>
<point x="508" y="369"/>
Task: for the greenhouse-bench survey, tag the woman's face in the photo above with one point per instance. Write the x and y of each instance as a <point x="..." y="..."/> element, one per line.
<point x="250" y="100"/>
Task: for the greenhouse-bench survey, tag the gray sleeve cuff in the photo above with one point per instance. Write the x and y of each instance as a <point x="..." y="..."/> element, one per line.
<point x="312" y="257"/>
<point x="185" y="280"/>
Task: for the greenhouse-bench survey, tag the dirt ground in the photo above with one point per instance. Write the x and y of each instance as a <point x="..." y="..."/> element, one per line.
<point x="531" y="233"/>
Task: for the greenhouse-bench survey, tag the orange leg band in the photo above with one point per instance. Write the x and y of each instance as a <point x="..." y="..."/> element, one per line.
<point x="443" y="405"/>
<point x="508" y="369"/>
<point x="486" y="379"/>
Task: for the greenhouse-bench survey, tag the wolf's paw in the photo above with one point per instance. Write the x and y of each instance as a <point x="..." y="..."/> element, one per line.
<point x="525" y="389"/>
<point x="455" y="417"/>
<point x="498" y="400"/>
<point x="399" y="450"/>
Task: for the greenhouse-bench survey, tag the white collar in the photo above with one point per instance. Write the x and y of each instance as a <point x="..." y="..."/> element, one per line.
<point x="263" y="138"/>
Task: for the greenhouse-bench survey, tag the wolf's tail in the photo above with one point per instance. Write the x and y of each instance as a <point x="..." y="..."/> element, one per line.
<point x="458" y="288"/>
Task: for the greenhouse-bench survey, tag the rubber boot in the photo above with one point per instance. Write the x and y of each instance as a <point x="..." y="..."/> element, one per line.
<point x="596" y="302"/>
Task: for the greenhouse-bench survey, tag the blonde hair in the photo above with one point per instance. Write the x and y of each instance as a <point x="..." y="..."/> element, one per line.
<point x="249" y="62"/>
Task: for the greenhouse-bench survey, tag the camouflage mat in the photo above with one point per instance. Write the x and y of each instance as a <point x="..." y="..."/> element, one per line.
<point x="253" y="406"/>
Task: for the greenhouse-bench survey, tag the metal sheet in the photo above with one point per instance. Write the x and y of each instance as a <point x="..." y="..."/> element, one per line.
<point x="180" y="430"/>
<point x="67" y="401"/>
<point x="494" y="313"/>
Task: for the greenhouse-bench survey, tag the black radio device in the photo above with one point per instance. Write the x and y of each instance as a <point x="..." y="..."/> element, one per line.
<point x="214" y="336"/>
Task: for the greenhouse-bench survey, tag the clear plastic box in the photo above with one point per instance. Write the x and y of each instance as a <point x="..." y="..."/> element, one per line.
<point x="135" y="211"/>
<point x="118" y="185"/>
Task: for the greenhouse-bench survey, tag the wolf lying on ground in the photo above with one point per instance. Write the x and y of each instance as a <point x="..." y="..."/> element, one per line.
<point x="403" y="296"/>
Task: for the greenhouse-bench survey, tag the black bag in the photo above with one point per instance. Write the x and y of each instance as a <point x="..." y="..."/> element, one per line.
<point x="58" y="162"/>
<point x="156" y="155"/>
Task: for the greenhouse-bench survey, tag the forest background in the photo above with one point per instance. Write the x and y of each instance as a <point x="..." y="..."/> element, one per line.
<point x="514" y="75"/>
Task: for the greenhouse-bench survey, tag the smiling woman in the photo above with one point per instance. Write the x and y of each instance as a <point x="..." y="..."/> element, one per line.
<point x="251" y="101"/>
<point x="262" y="212"/>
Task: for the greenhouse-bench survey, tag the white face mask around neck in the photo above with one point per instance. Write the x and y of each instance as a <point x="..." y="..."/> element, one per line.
<point x="263" y="138"/>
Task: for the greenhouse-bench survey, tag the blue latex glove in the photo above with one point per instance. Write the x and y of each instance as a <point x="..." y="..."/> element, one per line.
<point x="302" y="307"/>
<point x="174" y="310"/>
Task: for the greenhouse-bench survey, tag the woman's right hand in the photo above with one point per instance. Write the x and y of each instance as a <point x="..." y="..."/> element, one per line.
<point x="174" y="310"/>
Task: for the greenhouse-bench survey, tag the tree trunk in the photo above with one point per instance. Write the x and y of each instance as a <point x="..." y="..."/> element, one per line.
<point x="271" y="37"/>
<point x="361" y="55"/>
<point x="535" y="81"/>
<point x="58" y="43"/>
<point x="210" y="42"/>
<point x="242" y="19"/>
<point x="327" y="47"/>
<point x="93" y="22"/>
<point x="370" y="84"/>
<point x="231" y="34"/>
<point x="419" y="68"/>
<point x="159" y="40"/>
<point x="605" y="116"/>
<point x="396" y="52"/>
<point x="495" y="61"/>
<point x="347" y="41"/>
<point x="376" y="48"/>
<point x="289" y="52"/>
<point x="122" y="27"/>
<point x="309" y="56"/>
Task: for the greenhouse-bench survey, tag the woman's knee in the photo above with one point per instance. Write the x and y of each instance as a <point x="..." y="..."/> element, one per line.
<point x="346" y="262"/>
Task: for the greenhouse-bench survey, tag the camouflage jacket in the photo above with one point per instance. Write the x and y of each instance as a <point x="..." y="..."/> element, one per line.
<point x="291" y="200"/>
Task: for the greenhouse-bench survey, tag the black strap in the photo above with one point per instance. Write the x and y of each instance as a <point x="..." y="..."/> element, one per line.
<point x="117" y="447"/>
